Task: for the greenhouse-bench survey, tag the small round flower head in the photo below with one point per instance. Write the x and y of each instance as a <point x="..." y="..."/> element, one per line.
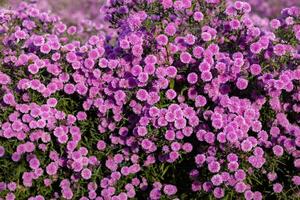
<point x="170" y="135"/>
<point x="89" y="63"/>
<point x="171" y="71"/>
<point x="240" y="175"/>
<point x="12" y="186"/>
<point x="69" y="88"/>
<point x="272" y="176"/>
<point x="86" y="174"/>
<point x="33" y="69"/>
<point x="52" y="168"/>
<point x="170" y="29"/>
<point x="278" y="150"/>
<point x="52" y="102"/>
<point x="255" y="69"/>
<point x="200" y="101"/>
<point x="20" y="34"/>
<point x="206" y="36"/>
<point x="277" y="188"/>
<point x="242" y="83"/>
<point x="142" y="131"/>
<point x="198" y="16"/>
<point x="296" y="180"/>
<point x="151" y="59"/>
<point x="170" y="189"/>
<point x="255" y="48"/>
<point x="275" y="23"/>
<point x="192" y="78"/>
<point x="190" y="39"/>
<point x="240" y="187"/>
<point x="45" y="48"/>
<point x="162" y="40"/>
<point x="38" y="40"/>
<point x="185" y="57"/>
<point x="218" y="192"/>
<point x="171" y="94"/>
<point x="167" y="4"/>
<point x="279" y="49"/>
<point x="217" y="180"/>
<point x="246" y="145"/>
<point x="198" y="51"/>
<point x="34" y="163"/>
<point x="142" y="95"/>
<point x="81" y="116"/>
<point x="214" y="167"/>
<point x="206" y="76"/>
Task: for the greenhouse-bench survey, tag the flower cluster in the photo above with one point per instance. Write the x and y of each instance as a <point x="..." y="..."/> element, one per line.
<point x="185" y="100"/>
<point x="86" y="15"/>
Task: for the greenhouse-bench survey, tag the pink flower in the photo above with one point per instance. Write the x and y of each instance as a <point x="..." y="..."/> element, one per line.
<point x="142" y="131"/>
<point x="9" y="99"/>
<point x="214" y="167"/>
<point x="198" y="16"/>
<point x="206" y="76"/>
<point x="277" y="150"/>
<point x="171" y="94"/>
<point x="45" y="48"/>
<point x="170" y="135"/>
<point x="33" y="69"/>
<point x="170" y="189"/>
<point x="185" y="57"/>
<point x="206" y="36"/>
<point x="279" y="49"/>
<point x="217" y="180"/>
<point x="34" y="163"/>
<point x="4" y="79"/>
<point x="142" y="95"/>
<point x="255" y="48"/>
<point x="167" y="4"/>
<point x="277" y="188"/>
<point x="242" y="83"/>
<point x="192" y="78"/>
<point x="52" y="102"/>
<point x="86" y="174"/>
<point x="52" y="168"/>
<point x="246" y="145"/>
<point x="170" y="29"/>
<point x="240" y="187"/>
<point x="255" y="69"/>
<point x="162" y="40"/>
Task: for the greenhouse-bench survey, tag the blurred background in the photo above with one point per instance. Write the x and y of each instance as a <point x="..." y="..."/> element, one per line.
<point x="72" y="11"/>
<point x="87" y="14"/>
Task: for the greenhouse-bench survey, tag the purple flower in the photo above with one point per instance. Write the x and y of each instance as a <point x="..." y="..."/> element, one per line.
<point x="86" y="174"/>
<point x="214" y="167"/>
<point x="241" y="83"/>
<point x="198" y="16"/>
<point x="170" y="189"/>
<point x="192" y="78"/>
<point x="277" y="187"/>
<point x="217" y="180"/>
<point x="185" y="57"/>
<point x="277" y="150"/>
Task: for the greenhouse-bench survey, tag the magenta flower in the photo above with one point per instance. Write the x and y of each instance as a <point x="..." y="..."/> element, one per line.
<point x="277" y="187"/>
<point x="86" y="174"/>
<point x="170" y="189"/>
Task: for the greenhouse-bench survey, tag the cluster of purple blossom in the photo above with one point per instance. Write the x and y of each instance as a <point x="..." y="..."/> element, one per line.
<point x="86" y="15"/>
<point x="186" y="100"/>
